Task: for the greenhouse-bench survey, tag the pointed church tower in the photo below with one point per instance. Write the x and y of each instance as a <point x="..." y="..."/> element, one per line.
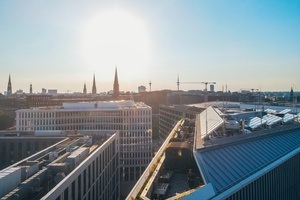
<point x="30" y="89"/>
<point x="84" y="89"/>
<point x="9" y="89"/>
<point x="291" y="99"/>
<point x="94" y="89"/>
<point x="116" y="85"/>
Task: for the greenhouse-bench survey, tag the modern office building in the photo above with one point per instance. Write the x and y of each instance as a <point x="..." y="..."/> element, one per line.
<point x="83" y="165"/>
<point x="132" y="119"/>
<point x="169" y="115"/>
<point x="230" y="163"/>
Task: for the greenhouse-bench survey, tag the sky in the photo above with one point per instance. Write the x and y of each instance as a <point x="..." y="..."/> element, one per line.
<point x="62" y="44"/>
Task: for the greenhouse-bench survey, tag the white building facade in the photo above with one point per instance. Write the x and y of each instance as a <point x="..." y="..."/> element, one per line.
<point x="132" y="119"/>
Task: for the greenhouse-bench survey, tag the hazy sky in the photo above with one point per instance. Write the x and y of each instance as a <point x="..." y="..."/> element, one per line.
<point x="61" y="44"/>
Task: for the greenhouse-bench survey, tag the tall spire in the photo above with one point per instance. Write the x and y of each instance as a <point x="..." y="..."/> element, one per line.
<point x="84" y="89"/>
<point x="291" y="99"/>
<point x="94" y="89"/>
<point x="30" y="89"/>
<point x="116" y="85"/>
<point x="9" y="89"/>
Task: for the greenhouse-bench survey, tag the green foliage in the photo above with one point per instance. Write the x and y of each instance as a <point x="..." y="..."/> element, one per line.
<point x="6" y="121"/>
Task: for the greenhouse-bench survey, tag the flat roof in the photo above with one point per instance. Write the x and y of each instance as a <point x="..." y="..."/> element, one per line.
<point x="93" y="105"/>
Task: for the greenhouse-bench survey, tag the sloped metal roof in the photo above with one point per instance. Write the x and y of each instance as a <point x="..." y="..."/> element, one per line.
<point x="210" y="120"/>
<point x="228" y="164"/>
<point x="285" y="111"/>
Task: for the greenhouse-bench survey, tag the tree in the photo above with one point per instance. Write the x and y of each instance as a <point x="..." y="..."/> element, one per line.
<point x="6" y="121"/>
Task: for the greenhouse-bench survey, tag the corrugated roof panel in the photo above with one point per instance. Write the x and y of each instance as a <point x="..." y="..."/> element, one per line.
<point x="272" y="119"/>
<point x="228" y="164"/>
<point x="285" y="111"/>
<point x="256" y="122"/>
<point x="257" y="158"/>
<point x="268" y="110"/>
<point x="288" y="117"/>
<point x="226" y="168"/>
<point x="239" y="169"/>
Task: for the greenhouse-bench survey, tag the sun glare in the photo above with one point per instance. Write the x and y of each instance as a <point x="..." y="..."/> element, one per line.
<point x="115" y="38"/>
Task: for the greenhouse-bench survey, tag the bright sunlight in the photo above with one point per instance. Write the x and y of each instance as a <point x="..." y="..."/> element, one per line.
<point x="116" y="38"/>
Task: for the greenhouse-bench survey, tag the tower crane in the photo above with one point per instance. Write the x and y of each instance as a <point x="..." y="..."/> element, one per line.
<point x="252" y="89"/>
<point x="205" y="83"/>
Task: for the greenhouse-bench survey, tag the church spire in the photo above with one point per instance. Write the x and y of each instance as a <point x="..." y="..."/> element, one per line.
<point x="30" y="89"/>
<point x="94" y="89"/>
<point x="291" y="99"/>
<point x="116" y="85"/>
<point x="9" y="89"/>
<point x="84" y="89"/>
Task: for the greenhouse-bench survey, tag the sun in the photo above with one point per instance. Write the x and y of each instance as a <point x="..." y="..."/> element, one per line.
<point x="115" y="38"/>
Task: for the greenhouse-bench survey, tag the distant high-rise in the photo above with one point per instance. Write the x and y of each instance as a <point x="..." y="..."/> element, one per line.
<point x="94" y="89"/>
<point x="30" y="89"/>
<point x="212" y="88"/>
<point x="84" y="89"/>
<point x="116" y="85"/>
<point x="9" y="89"/>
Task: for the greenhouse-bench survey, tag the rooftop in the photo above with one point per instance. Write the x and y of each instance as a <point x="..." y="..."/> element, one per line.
<point x="52" y="163"/>
<point x="97" y="105"/>
<point x="243" y="158"/>
<point x="225" y="151"/>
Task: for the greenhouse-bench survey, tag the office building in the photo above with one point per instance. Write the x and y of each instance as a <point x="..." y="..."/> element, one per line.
<point x="133" y="120"/>
<point x="83" y="165"/>
<point x="169" y="115"/>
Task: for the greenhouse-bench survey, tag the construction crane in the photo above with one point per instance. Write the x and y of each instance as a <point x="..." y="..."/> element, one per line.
<point x="205" y="83"/>
<point x="252" y="89"/>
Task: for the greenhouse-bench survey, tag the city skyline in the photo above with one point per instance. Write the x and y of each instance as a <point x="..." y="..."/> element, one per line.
<point x="60" y="45"/>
